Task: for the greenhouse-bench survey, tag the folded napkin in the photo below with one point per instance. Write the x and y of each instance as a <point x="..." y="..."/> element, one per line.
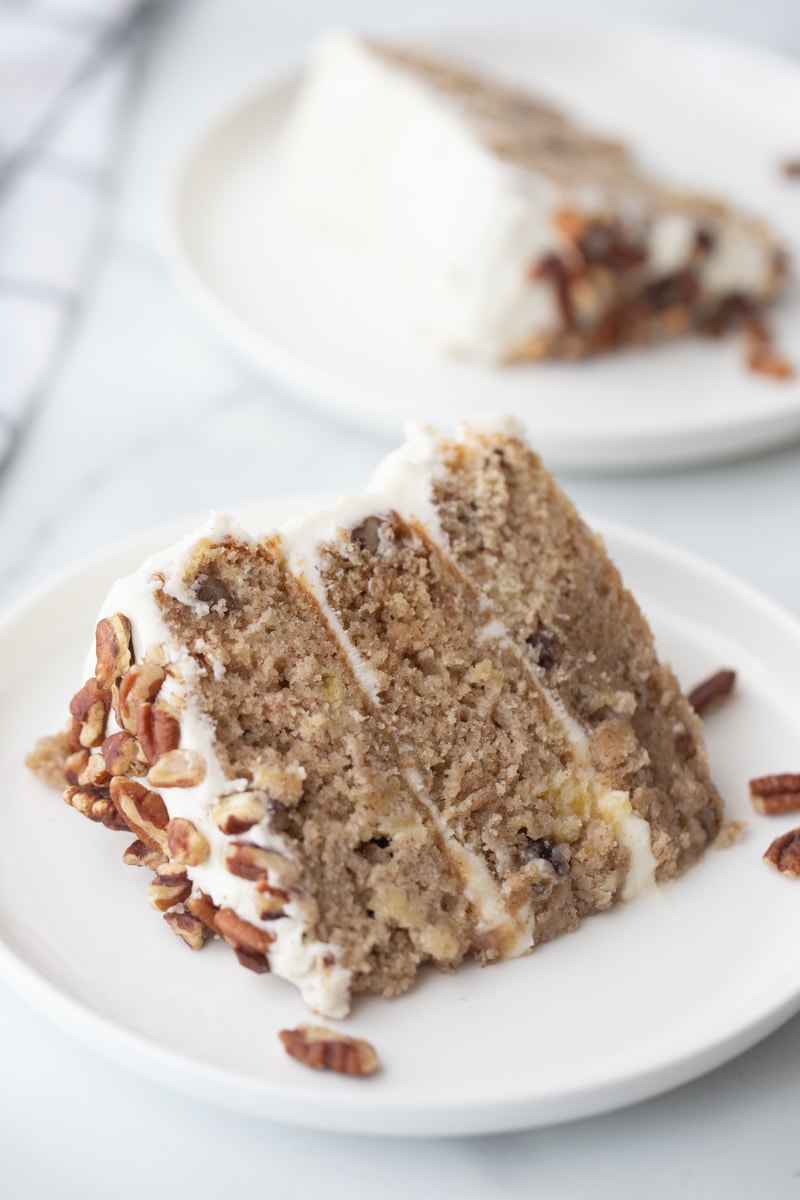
<point x="65" y="68"/>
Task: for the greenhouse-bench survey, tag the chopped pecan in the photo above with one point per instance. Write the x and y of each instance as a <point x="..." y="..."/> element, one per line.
<point x="94" y="772"/>
<point x="712" y="691"/>
<point x="121" y="754"/>
<point x="213" y="592"/>
<point x="551" y="269"/>
<point x="764" y="359"/>
<point x="157" y="730"/>
<point x="140" y="685"/>
<point x="270" y="901"/>
<point x="139" y="854"/>
<point x="203" y="907"/>
<point x="326" y="1050"/>
<point x="49" y="758"/>
<point x="281" y="781"/>
<point x="240" y="933"/>
<point x="775" y="793"/>
<point x="143" y="810"/>
<point x="178" y="768"/>
<point x="188" y="927"/>
<point x="74" y="736"/>
<point x="185" y="843"/>
<point x="546" y="650"/>
<point x="114" y="654"/>
<point x="253" y="962"/>
<point x="75" y="765"/>
<point x="95" y="804"/>
<point x="169" y="886"/>
<point x="254" y="862"/>
<point x="784" y="854"/>
<point x="90" y="708"/>
<point x="239" y="812"/>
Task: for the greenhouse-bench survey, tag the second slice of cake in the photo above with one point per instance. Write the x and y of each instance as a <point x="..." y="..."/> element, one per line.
<point x="508" y="231"/>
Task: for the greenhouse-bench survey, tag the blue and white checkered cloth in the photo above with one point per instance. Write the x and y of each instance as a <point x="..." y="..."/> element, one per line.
<point x="65" y="70"/>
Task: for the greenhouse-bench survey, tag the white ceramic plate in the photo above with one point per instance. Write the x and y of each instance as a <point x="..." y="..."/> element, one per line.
<point x="636" y="1001"/>
<point x="702" y="112"/>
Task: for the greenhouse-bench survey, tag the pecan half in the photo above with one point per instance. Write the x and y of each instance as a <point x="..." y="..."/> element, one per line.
<point x="237" y="813"/>
<point x="185" y="843"/>
<point x="326" y="1050"/>
<point x="121" y="754"/>
<point x="95" y="804"/>
<point x="241" y="934"/>
<point x="169" y="886"/>
<point x="254" y="862"/>
<point x="775" y="793"/>
<point x="157" y="730"/>
<point x="189" y="928"/>
<point x="203" y="907"/>
<point x="139" y="854"/>
<point x="784" y="854"/>
<point x="143" y="810"/>
<point x="712" y="691"/>
<point x="89" y="707"/>
<point x="140" y="685"/>
<point x="95" y="773"/>
<point x="114" y="653"/>
<point x="178" y="768"/>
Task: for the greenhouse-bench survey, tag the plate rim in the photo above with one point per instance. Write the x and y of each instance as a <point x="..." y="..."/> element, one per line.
<point x="707" y="438"/>
<point x="391" y="1115"/>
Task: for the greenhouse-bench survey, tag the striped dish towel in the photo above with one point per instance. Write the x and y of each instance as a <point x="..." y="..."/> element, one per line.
<point x="65" y="68"/>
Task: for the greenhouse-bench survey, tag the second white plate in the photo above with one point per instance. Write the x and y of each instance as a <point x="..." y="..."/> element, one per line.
<point x="638" y="1000"/>
<point x="303" y="312"/>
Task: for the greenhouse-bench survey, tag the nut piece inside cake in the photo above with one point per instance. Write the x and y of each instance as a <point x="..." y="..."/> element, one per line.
<point x="426" y="724"/>
<point x="510" y="232"/>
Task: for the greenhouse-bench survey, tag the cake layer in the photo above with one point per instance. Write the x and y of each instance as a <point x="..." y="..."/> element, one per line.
<point x="506" y="230"/>
<point x="424" y="724"/>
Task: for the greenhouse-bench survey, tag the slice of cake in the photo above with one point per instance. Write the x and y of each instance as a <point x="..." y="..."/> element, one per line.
<point x="424" y="724"/>
<point x="510" y="232"/>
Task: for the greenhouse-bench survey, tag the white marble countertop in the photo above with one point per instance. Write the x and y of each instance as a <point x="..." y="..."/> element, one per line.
<point x="148" y="421"/>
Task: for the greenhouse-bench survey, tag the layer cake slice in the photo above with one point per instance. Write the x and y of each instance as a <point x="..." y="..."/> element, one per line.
<point x="425" y="724"/>
<point x="506" y="230"/>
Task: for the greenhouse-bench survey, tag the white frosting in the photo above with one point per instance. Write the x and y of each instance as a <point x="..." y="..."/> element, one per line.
<point x="402" y="484"/>
<point x="377" y="158"/>
<point x="373" y="159"/>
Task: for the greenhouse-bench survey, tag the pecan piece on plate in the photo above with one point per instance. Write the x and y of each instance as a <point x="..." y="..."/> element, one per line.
<point x="712" y="691"/>
<point x="784" y="854"/>
<point x="775" y="793"/>
<point x="326" y="1050"/>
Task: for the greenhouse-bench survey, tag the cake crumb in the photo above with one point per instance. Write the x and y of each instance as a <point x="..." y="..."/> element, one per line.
<point x="730" y="833"/>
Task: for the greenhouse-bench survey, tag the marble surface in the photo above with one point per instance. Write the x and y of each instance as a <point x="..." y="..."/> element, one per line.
<point x="146" y="421"/>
